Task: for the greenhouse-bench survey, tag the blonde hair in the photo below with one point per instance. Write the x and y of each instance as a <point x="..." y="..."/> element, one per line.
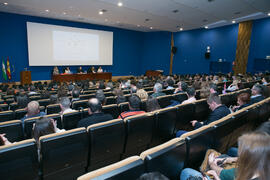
<point x="142" y="94"/>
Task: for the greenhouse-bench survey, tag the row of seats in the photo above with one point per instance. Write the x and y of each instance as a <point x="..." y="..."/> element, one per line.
<point x="188" y="150"/>
<point x="67" y="154"/>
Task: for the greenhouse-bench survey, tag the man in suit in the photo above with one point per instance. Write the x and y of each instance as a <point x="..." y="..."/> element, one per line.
<point x="182" y="87"/>
<point x="256" y="91"/>
<point x="95" y="114"/>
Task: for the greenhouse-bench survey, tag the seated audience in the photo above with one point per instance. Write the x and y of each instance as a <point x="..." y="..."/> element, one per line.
<point x="170" y="83"/>
<point x="65" y="105"/>
<point x="256" y="91"/>
<point x="182" y="87"/>
<point x="158" y="90"/>
<point x="75" y="95"/>
<point x="152" y="104"/>
<point x="101" y="97"/>
<point x="191" y="96"/>
<point x="265" y="80"/>
<point x="22" y="100"/>
<point x="55" y="70"/>
<point x="213" y="88"/>
<point x="80" y="70"/>
<point x="95" y="114"/>
<point x="120" y="98"/>
<point x="53" y="99"/>
<point x="142" y="94"/>
<point x="243" y="101"/>
<point x="134" y="103"/>
<point x="32" y="90"/>
<point x="233" y="86"/>
<point x="67" y="70"/>
<point x="32" y="111"/>
<point x="100" y="70"/>
<point x="252" y="164"/>
<point x="4" y="140"/>
<point x="218" y="111"/>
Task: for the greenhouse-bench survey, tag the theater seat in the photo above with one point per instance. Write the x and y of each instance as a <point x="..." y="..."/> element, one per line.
<point x="106" y="142"/>
<point x="6" y="116"/>
<point x="130" y="168"/>
<point x="13" y="106"/>
<point x="198" y="142"/>
<point x="185" y="114"/>
<point x="64" y="155"/>
<point x="111" y="109"/>
<point x="87" y="96"/>
<point x="70" y="120"/>
<point x="164" y="101"/>
<point x="53" y="108"/>
<point x="123" y="107"/>
<point x="201" y="110"/>
<point x="13" y="130"/>
<point x="44" y="102"/>
<point x="80" y="104"/>
<point x="20" y="113"/>
<point x="180" y="97"/>
<point x="168" y="158"/>
<point x="19" y="161"/>
<point x="139" y="132"/>
<point x="4" y="107"/>
<point x="110" y="100"/>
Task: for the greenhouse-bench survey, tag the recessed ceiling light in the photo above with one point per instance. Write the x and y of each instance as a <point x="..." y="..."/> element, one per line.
<point x="151" y="27"/>
<point x="100" y="12"/>
<point x="206" y="27"/>
<point x="79" y="15"/>
<point x="233" y="21"/>
<point x="120" y="4"/>
<point x="64" y="13"/>
<point x="47" y="10"/>
<point x="138" y="25"/>
<point x="106" y="20"/>
<point x="5" y="3"/>
<point x="117" y="22"/>
<point x="181" y="29"/>
<point x="268" y="14"/>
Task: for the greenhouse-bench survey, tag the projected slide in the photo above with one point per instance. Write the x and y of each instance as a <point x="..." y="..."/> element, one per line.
<point x="51" y="45"/>
<point x="73" y="46"/>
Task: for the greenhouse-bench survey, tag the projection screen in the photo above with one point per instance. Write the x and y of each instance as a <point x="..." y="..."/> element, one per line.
<point x="51" y="45"/>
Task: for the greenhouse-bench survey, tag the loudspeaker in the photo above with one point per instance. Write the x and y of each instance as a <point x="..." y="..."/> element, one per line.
<point x="207" y="55"/>
<point x="174" y="50"/>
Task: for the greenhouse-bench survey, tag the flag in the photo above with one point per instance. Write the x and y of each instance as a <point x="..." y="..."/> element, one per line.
<point x="8" y="69"/>
<point x="4" y="70"/>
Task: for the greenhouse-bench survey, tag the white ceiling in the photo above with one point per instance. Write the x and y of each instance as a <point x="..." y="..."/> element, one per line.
<point x="192" y="14"/>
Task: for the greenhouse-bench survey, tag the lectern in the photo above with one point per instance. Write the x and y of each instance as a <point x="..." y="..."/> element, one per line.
<point x="25" y="77"/>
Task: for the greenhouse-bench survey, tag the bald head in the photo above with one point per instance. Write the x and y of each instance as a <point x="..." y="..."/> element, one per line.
<point x="32" y="108"/>
<point x="94" y="106"/>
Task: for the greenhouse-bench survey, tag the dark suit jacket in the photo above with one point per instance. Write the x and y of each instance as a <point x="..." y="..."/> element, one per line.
<point x="217" y="114"/>
<point x="94" y="118"/>
<point x="256" y="99"/>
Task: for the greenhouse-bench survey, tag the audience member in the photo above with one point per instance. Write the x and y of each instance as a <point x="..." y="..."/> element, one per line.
<point x="152" y="104"/>
<point x="218" y="111"/>
<point x="75" y="95"/>
<point x="32" y="111"/>
<point x="100" y="70"/>
<point x="55" y="70"/>
<point x="120" y="98"/>
<point x="101" y="97"/>
<point x="53" y="99"/>
<point x="153" y="176"/>
<point x="213" y="89"/>
<point x="95" y="114"/>
<point x="243" y="100"/>
<point x="32" y="90"/>
<point x="191" y="96"/>
<point x="65" y="105"/>
<point x="142" y="94"/>
<point x="158" y="90"/>
<point x="170" y="83"/>
<point x="80" y="70"/>
<point x="182" y="87"/>
<point x="134" y="103"/>
<point x="257" y="96"/>
<point x="22" y="100"/>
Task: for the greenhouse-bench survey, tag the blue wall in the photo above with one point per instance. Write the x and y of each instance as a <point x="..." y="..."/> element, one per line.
<point x="127" y="46"/>
<point x="260" y="42"/>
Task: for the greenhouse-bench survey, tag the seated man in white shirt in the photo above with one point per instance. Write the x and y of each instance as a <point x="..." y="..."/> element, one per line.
<point x="191" y="96"/>
<point x="65" y="105"/>
<point x="100" y="70"/>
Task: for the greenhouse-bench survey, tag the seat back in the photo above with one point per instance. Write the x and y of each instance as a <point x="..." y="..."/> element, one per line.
<point x="110" y="100"/>
<point x="123" y="107"/>
<point x="168" y="91"/>
<point x="168" y="158"/>
<point x="70" y="120"/>
<point x="164" y="101"/>
<point x="80" y="104"/>
<point x="19" y="160"/>
<point x="139" y="132"/>
<point x="87" y="96"/>
<point x="106" y="143"/>
<point x="20" y="113"/>
<point x="6" y="116"/>
<point x="198" y="142"/>
<point x="12" y="129"/>
<point x="4" y="107"/>
<point x="44" y="102"/>
<point x="201" y="110"/>
<point x="180" y="97"/>
<point x="111" y="109"/>
<point x="165" y="124"/>
<point x="53" y="108"/>
<point x="130" y="168"/>
<point x="227" y="99"/>
<point x="13" y="106"/>
<point x="64" y="155"/>
<point x="185" y="114"/>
